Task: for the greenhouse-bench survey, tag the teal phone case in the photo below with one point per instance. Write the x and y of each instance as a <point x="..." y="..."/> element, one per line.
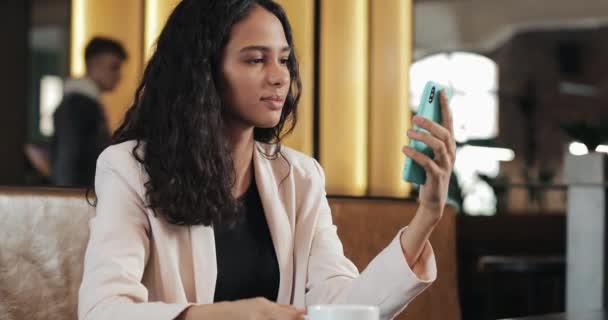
<point x="429" y="108"/>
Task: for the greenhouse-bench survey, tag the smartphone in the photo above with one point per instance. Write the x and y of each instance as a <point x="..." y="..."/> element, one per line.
<point x="429" y="108"/>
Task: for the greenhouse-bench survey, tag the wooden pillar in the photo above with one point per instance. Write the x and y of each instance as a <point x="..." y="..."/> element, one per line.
<point x="14" y="57"/>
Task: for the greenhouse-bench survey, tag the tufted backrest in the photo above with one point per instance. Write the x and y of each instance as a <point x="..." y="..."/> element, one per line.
<point x="44" y="234"/>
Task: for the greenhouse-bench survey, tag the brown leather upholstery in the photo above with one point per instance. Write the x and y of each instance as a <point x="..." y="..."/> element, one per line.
<point x="45" y="231"/>
<point x="365" y="226"/>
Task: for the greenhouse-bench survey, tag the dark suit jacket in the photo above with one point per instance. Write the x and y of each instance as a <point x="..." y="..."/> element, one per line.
<point x="81" y="134"/>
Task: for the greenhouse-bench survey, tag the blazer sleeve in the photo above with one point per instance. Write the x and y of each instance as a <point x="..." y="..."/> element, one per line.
<point x="388" y="282"/>
<point x="118" y="248"/>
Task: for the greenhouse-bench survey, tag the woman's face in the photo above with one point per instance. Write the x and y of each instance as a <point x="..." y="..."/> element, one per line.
<point x="254" y="69"/>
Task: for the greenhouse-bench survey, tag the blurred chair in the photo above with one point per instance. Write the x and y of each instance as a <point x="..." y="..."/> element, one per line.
<point x="45" y="232"/>
<point x="380" y="220"/>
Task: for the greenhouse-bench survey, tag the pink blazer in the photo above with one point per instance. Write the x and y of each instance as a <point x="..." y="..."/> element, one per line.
<point x="137" y="266"/>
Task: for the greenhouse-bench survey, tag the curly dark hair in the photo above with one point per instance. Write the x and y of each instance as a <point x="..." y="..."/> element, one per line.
<point x="178" y="113"/>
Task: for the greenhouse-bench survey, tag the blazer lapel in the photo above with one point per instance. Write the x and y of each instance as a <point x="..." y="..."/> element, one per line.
<point x="269" y="174"/>
<point x="204" y="263"/>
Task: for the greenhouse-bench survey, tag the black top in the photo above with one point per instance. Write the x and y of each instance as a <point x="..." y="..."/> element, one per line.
<point x="246" y="260"/>
<point x="81" y="134"/>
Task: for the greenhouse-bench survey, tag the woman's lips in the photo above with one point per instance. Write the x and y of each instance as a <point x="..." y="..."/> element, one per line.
<point x="274" y="102"/>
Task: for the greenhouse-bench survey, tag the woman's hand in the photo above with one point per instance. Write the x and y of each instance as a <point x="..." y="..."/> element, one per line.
<point x="433" y="194"/>
<point x="249" y="309"/>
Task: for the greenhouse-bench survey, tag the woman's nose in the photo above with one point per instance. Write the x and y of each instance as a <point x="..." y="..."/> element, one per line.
<point x="278" y="75"/>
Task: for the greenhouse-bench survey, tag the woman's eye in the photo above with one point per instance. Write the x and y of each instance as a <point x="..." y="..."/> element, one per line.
<point x="284" y="61"/>
<point x="255" y="61"/>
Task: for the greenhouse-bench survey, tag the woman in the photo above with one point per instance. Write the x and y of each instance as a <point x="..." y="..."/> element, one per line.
<point x="202" y="214"/>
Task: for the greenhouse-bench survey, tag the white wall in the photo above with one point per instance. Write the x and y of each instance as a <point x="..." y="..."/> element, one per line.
<point x="485" y="24"/>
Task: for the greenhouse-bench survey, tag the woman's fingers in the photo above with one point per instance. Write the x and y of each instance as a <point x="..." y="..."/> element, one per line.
<point x="443" y="131"/>
<point x="286" y="312"/>
<point x="423" y="160"/>
<point x="446" y="114"/>
<point x="448" y="124"/>
<point x="438" y="132"/>
<point x="439" y="147"/>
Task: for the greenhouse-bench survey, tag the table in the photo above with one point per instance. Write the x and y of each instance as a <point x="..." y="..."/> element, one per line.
<point x="598" y="315"/>
<point x="534" y="270"/>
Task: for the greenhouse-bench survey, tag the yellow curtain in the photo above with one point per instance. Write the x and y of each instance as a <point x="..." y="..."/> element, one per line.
<point x="117" y="19"/>
<point x="344" y="95"/>
<point x="156" y="14"/>
<point x="389" y="113"/>
<point x="365" y="54"/>
<point x="301" y="17"/>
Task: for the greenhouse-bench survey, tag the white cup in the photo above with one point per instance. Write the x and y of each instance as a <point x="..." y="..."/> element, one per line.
<point x="342" y="312"/>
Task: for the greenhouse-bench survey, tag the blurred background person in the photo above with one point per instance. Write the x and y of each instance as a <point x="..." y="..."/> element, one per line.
<point x="81" y="127"/>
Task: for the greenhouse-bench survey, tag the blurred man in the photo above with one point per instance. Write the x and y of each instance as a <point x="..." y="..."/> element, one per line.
<point x="81" y="128"/>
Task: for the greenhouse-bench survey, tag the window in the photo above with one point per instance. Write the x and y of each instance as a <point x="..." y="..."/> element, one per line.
<point x="51" y="90"/>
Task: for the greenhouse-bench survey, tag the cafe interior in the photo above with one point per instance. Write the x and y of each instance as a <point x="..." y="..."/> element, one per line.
<point x="523" y="235"/>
